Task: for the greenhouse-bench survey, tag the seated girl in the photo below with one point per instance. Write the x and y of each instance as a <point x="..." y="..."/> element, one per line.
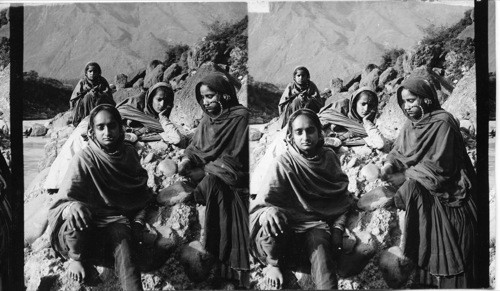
<point x="101" y="200"/>
<point x="149" y="113"/>
<point x="301" y="93"/>
<point x="90" y="91"/>
<point x="352" y="120"/>
<point x="436" y="181"/>
<point x="302" y="193"/>
<point x="217" y="161"/>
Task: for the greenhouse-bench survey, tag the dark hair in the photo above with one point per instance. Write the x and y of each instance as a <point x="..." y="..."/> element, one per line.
<point x="116" y="115"/>
<point x="302" y="69"/>
<point x="95" y="65"/>
<point x="313" y="117"/>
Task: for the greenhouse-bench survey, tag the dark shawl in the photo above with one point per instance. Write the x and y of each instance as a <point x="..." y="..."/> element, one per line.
<point x="221" y="143"/>
<point x="83" y="100"/>
<point x="287" y="105"/>
<point x="303" y="189"/>
<point x="343" y="113"/>
<point x="140" y="108"/>
<point x="443" y="216"/>
<point x="432" y="150"/>
<point x="109" y="184"/>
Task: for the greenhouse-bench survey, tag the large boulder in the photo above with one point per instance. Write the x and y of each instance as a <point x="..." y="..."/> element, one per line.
<point x="120" y="81"/>
<point x="371" y="79"/>
<point x="395" y="267"/>
<point x="154" y="76"/>
<point x="391" y="119"/>
<point x="126" y="93"/>
<point x="462" y="102"/>
<point x="171" y="72"/>
<point x="186" y="108"/>
<point x="38" y="130"/>
<point x="388" y="75"/>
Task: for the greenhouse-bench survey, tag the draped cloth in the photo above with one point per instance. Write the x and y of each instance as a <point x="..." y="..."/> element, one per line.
<point x="6" y="226"/>
<point x="303" y="189"/>
<point x="289" y="103"/>
<point x="433" y="154"/>
<point x="108" y="184"/>
<point x="220" y="146"/>
<point x="343" y="114"/>
<point x="87" y="95"/>
<point x="140" y="108"/>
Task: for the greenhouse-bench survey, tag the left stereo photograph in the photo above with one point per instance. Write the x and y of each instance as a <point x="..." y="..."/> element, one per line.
<point x="135" y="147"/>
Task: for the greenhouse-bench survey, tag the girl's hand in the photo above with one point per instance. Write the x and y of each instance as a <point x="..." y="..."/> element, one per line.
<point x="196" y="174"/>
<point x="274" y="222"/>
<point x="79" y="216"/>
<point x="396" y="179"/>
<point x="369" y="117"/>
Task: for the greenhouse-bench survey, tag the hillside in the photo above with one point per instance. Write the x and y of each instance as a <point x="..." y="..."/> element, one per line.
<point x="61" y="39"/>
<point x="336" y="39"/>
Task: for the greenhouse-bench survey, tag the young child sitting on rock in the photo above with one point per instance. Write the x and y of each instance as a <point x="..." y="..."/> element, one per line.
<point x="100" y="205"/>
<point x="302" y="194"/>
<point x="90" y="91"/>
<point x="301" y="93"/>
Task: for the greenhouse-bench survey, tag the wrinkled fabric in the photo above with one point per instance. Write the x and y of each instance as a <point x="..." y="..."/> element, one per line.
<point x="302" y="189"/>
<point x="108" y="184"/>
<point x="441" y="216"/>
<point x="220" y="147"/>
<point x="140" y="108"/>
<point x="289" y="103"/>
<point x="343" y="114"/>
<point x="83" y="100"/>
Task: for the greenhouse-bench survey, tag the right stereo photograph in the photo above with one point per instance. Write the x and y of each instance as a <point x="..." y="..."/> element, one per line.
<point x="364" y="167"/>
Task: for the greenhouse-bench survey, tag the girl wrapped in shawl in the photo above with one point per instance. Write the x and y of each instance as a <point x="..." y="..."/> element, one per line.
<point x="301" y="93"/>
<point x="101" y="200"/>
<point x="90" y="91"/>
<point x="303" y="191"/>
<point x="217" y="160"/>
<point x="436" y="183"/>
<point x="352" y="120"/>
<point x="150" y="112"/>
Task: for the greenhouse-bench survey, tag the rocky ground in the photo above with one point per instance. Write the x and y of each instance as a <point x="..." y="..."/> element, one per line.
<point x="373" y="259"/>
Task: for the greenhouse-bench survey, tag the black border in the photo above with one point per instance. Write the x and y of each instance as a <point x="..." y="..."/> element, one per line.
<point x="16" y="14"/>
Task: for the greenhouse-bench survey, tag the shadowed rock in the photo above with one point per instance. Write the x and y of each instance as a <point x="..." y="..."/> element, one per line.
<point x="196" y="261"/>
<point x="176" y="193"/>
<point x="376" y="198"/>
<point x="395" y="267"/>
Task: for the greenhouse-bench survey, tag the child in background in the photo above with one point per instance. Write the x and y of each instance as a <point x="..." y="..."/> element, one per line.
<point x="301" y="93"/>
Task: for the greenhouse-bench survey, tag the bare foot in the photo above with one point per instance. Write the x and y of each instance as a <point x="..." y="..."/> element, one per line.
<point x="76" y="271"/>
<point x="273" y="277"/>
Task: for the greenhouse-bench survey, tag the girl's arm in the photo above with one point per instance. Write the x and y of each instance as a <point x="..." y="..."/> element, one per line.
<point x="375" y="139"/>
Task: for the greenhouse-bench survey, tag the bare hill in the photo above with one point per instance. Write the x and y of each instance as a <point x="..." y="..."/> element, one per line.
<point x="60" y="39"/>
<point x="336" y="39"/>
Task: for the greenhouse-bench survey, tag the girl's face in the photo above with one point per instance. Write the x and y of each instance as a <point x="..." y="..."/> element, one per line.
<point x="210" y="100"/>
<point x="92" y="72"/>
<point x="301" y="77"/>
<point x="305" y="134"/>
<point x="159" y="101"/>
<point x="365" y="104"/>
<point x="411" y="104"/>
<point x="106" y="130"/>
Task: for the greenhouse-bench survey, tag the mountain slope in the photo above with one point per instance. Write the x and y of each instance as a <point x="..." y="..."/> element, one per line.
<point x="336" y="39"/>
<point x="60" y="39"/>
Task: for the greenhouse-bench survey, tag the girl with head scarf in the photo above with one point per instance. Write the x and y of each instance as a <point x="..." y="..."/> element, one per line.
<point x="430" y="165"/>
<point x="90" y="91"/>
<point x="301" y="93"/>
<point x="352" y="120"/>
<point x="303" y="192"/>
<point x="149" y="113"/>
<point x="217" y="161"/>
<point x="101" y="200"/>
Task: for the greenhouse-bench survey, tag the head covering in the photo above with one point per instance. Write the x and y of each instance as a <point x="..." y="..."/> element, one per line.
<point x="148" y="100"/>
<point x="314" y="118"/>
<point x="353" y="101"/>
<point x="421" y="88"/>
<point x="343" y="113"/>
<point x="221" y="85"/>
<point x="221" y="143"/>
<point x="140" y="107"/>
